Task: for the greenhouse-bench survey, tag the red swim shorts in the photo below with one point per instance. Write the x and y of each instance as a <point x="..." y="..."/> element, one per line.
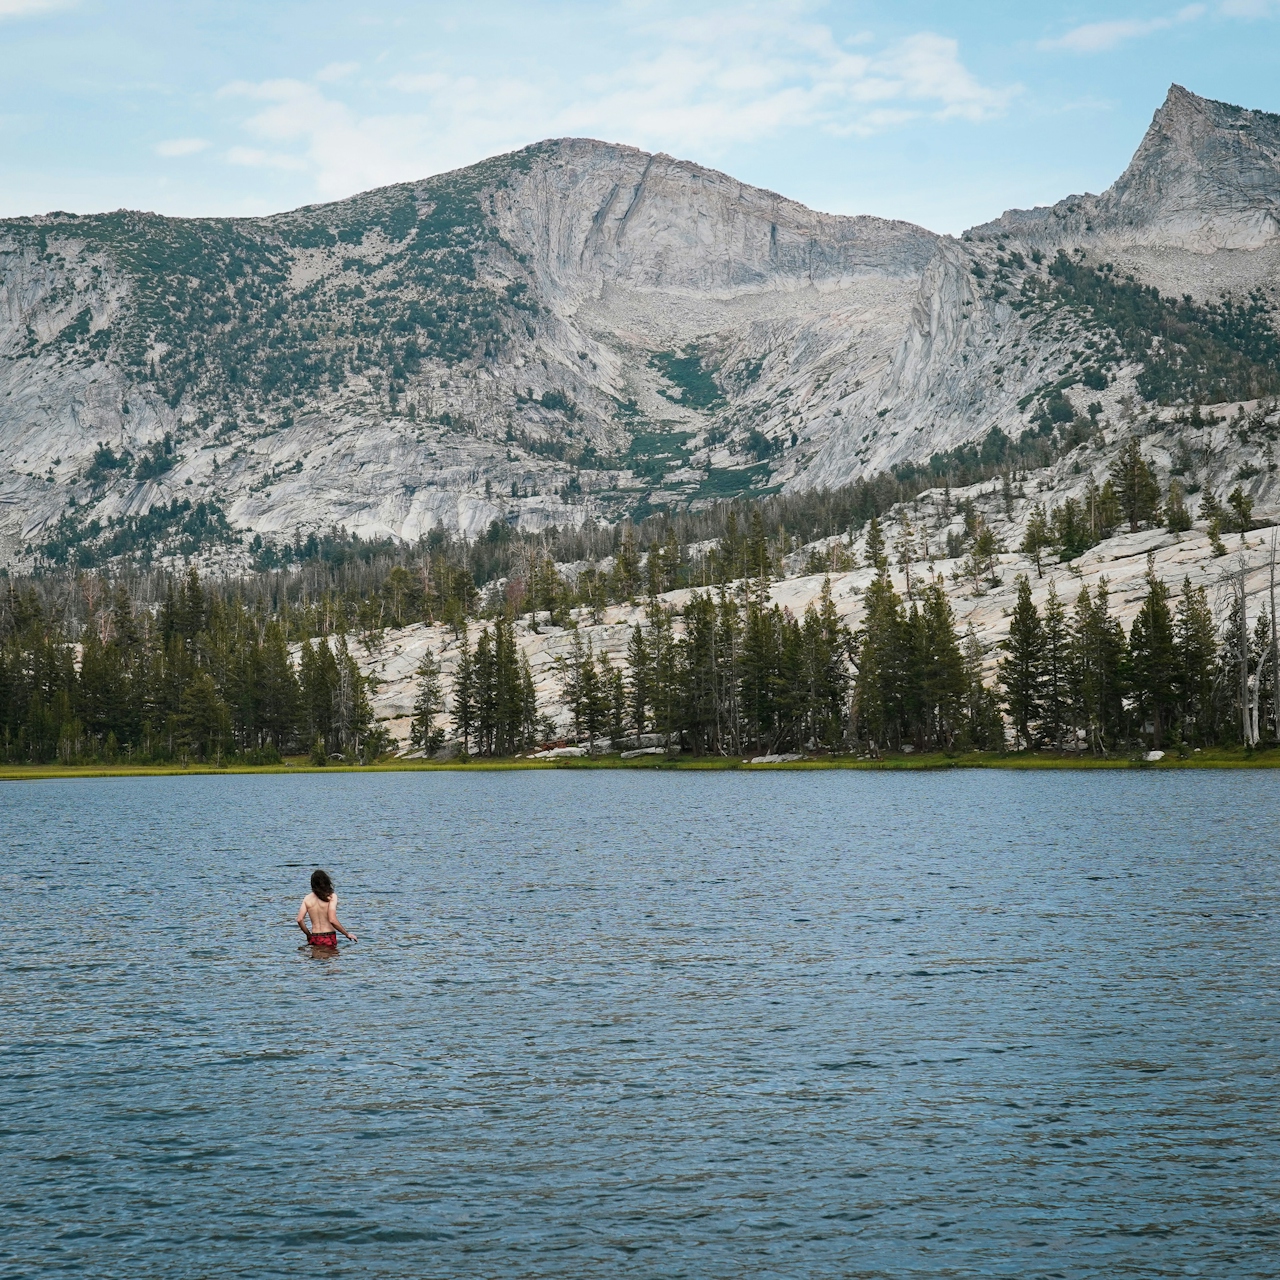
<point x="323" y="939"/>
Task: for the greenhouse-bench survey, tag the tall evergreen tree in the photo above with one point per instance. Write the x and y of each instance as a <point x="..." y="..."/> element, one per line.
<point x="638" y="678"/>
<point x="428" y="706"/>
<point x="464" y="696"/>
<point x="1055" y="714"/>
<point x="1153" y="659"/>
<point x="1099" y="662"/>
<point x="1196" y="642"/>
<point x="1135" y="486"/>
<point x="1022" y="669"/>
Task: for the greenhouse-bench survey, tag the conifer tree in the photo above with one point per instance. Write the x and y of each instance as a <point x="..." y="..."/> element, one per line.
<point x="1107" y="513"/>
<point x="758" y="565"/>
<point x="1177" y="519"/>
<point x="464" y="696"/>
<point x="352" y="714"/>
<point x="278" y="692"/>
<point x="1135" y="486"/>
<point x="1196" y="643"/>
<point x="876" y="558"/>
<point x="1241" y="511"/>
<point x="428" y="704"/>
<point x="1056" y="684"/>
<point x="1037" y="537"/>
<point x="613" y="691"/>
<point x="1099" y="660"/>
<point x="1022" y="669"/>
<point x="529" y="723"/>
<point x="1153" y="658"/>
<point x="881" y="644"/>
<point x="943" y="685"/>
<point x="984" y="726"/>
<point x="638" y="678"/>
<point x="698" y="662"/>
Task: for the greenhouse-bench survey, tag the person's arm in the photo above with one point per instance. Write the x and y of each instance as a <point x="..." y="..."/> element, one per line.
<point x="333" y="919"/>
<point x="302" y="911"/>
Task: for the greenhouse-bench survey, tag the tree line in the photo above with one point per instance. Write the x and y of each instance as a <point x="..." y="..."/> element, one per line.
<point x="195" y="678"/>
<point x="199" y="677"/>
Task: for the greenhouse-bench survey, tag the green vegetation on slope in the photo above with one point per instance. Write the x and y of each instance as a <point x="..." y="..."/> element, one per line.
<point x="690" y="374"/>
<point x="1191" y="352"/>
<point x="213" y="314"/>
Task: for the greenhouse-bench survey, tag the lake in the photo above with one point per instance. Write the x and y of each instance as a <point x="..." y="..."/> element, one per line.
<point x="643" y="1024"/>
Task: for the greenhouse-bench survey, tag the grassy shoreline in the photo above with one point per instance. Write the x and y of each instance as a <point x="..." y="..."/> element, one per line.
<point x="1215" y="758"/>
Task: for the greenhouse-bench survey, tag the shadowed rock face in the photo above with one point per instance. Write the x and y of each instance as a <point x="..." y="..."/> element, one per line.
<point x="565" y="333"/>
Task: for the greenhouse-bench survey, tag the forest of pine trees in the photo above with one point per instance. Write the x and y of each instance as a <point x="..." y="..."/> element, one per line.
<point x="197" y="678"/>
<point x="198" y="675"/>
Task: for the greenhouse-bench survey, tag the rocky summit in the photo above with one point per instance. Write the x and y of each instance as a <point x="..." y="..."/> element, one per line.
<point x="583" y="331"/>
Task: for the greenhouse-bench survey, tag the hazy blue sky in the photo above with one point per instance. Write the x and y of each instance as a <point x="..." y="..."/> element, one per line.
<point x="943" y="113"/>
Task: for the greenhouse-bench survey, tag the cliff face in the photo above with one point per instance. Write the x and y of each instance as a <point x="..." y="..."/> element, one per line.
<point x="579" y="329"/>
<point x="1205" y="178"/>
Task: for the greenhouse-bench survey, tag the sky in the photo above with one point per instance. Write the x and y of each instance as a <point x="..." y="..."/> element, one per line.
<point x="944" y="114"/>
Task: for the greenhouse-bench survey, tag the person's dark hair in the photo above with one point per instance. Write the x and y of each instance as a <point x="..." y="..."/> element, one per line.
<point x="321" y="885"/>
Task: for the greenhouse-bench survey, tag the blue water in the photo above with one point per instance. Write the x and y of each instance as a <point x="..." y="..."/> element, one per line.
<point x="614" y="1024"/>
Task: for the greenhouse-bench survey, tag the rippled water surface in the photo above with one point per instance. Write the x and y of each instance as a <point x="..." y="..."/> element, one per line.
<point x="643" y="1025"/>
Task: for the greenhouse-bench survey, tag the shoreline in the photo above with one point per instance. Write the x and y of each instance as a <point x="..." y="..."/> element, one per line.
<point x="1214" y="758"/>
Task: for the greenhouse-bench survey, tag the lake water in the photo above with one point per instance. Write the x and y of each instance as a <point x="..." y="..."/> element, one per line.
<point x="620" y="1024"/>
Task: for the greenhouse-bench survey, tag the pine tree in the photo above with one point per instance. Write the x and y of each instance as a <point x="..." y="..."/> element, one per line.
<point x="1037" y="537"/>
<point x="318" y="675"/>
<point x="876" y="558"/>
<point x="1107" y="513"/>
<point x="1056" y="690"/>
<point x="983" y="727"/>
<point x="485" y="693"/>
<point x="1196" y="642"/>
<point x="614" y="694"/>
<point x="1135" y="486"/>
<point x="757" y="551"/>
<point x="1022" y="670"/>
<point x="882" y="648"/>
<point x="943" y="681"/>
<point x="1177" y="519"/>
<point x="464" y="696"/>
<point x="352" y="714"/>
<point x="1153" y="658"/>
<point x="427" y="706"/>
<point x="665" y="689"/>
<point x="279" y="696"/>
<point x="638" y="677"/>
<point x="700" y="720"/>
<point x="1098" y="666"/>
<point x="206" y="718"/>
<point x="529" y="724"/>
<point x="1241" y="511"/>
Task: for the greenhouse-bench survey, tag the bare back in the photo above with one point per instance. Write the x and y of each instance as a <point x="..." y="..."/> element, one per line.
<point x="320" y="913"/>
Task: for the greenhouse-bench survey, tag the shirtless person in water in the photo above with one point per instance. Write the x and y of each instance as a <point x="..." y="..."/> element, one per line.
<point x="321" y="906"/>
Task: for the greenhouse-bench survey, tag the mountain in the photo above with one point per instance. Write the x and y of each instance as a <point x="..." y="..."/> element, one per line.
<point x="581" y="330"/>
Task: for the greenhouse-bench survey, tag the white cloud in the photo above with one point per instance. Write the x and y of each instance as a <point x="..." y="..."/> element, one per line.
<point x="336" y="71"/>
<point x="693" y="86"/>
<point x="174" y="147"/>
<point x="256" y="158"/>
<point x="1098" y="37"/>
<point x="27" y="8"/>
